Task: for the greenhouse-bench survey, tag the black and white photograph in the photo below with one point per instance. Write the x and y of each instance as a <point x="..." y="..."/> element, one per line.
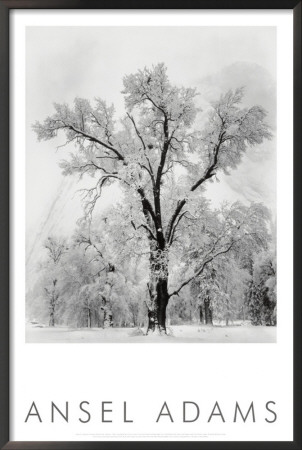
<point x="152" y="226"/>
<point x="151" y="211"/>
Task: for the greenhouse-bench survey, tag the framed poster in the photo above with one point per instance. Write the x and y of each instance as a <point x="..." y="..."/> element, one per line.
<point x="151" y="227"/>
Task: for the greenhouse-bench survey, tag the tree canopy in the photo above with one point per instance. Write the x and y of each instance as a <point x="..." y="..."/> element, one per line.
<point x="162" y="153"/>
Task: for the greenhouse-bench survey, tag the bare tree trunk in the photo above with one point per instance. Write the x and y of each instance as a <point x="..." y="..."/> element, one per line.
<point x="134" y="319"/>
<point x="157" y="315"/>
<point x="158" y="284"/>
<point x="107" y="312"/>
<point x="88" y="318"/>
<point x="107" y="317"/>
<point x="152" y="320"/>
<point x="162" y="301"/>
<point x="201" y="316"/>
<point x="208" y="312"/>
<point x="52" y="318"/>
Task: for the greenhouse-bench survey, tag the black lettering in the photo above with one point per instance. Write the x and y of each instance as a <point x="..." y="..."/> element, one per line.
<point x="53" y="407"/>
<point x="105" y="410"/>
<point x="33" y="414"/>
<point x="165" y="414"/>
<point x="84" y="410"/>
<point x="125" y="414"/>
<point x="273" y="412"/>
<point x="237" y="408"/>
<point x="216" y="414"/>
<point x="184" y="411"/>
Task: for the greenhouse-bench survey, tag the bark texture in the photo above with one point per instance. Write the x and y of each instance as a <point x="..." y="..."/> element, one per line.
<point x="157" y="311"/>
<point x="89" y="318"/>
<point x="108" y="322"/>
<point x="52" y="319"/>
<point x="201" y="315"/>
<point x="208" y="312"/>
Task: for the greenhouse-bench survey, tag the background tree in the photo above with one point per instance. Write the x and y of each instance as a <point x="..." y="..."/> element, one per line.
<point x="226" y="297"/>
<point x="261" y="295"/>
<point x="90" y="277"/>
<point x="104" y="285"/>
<point x="56" y="249"/>
<point x="160" y="162"/>
<point x="214" y="249"/>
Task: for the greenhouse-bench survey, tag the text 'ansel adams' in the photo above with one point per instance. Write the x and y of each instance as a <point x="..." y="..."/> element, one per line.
<point x="187" y="412"/>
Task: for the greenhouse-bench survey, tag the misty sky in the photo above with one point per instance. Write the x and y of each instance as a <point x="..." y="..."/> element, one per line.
<point x="65" y="62"/>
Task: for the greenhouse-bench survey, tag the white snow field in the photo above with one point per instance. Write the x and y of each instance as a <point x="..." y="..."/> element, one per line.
<point x="177" y="334"/>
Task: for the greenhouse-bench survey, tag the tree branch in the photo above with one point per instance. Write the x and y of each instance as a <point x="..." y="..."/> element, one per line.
<point x="91" y="204"/>
<point x="180" y="205"/>
<point x="210" y="170"/>
<point x="147" y="207"/>
<point x="93" y="139"/>
<point x="136" y="130"/>
<point x="171" y="237"/>
<point x="201" y="269"/>
<point x="149" y="170"/>
<point x="108" y="134"/>
<point x="148" y="229"/>
<point x="92" y="164"/>
<point x="207" y="175"/>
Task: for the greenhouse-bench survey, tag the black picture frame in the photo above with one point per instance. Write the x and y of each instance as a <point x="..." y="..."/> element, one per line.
<point x="5" y="7"/>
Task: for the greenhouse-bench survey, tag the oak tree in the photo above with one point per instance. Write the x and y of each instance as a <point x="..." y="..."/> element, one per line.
<point x="160" y="161"/>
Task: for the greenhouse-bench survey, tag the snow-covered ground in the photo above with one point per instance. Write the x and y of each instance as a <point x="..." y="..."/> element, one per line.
<point x="178" y="333"/>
